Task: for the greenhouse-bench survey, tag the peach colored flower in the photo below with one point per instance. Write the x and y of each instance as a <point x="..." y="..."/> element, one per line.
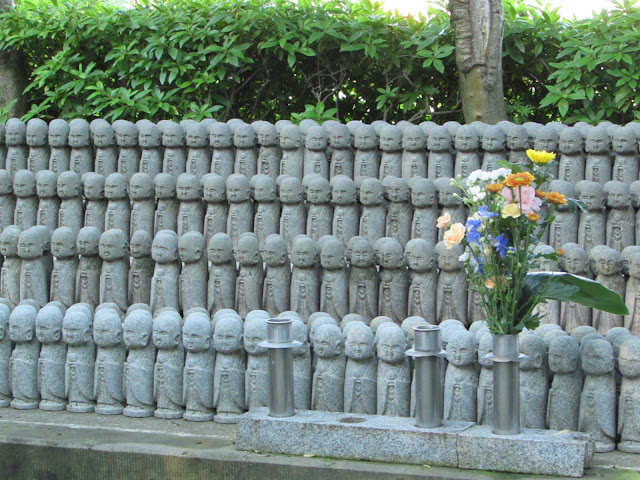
<point x="454" y="235"/>
<point x="489" y="283"/>
<point x="560" y="251"/>
<point x="525" y="197"/>
<point x="444" y="221"/>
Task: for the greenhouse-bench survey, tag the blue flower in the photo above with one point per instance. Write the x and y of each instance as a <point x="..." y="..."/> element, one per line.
<point x="472" y="227"/>
<point x="485" y="213"/>
<point x="500" y="244"/>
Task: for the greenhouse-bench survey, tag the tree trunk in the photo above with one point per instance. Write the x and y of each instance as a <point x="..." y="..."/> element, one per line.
<point x="479" y="28"/>
<point x="13" y="76"/>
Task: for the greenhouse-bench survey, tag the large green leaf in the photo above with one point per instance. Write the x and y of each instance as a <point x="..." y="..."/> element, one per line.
<point x="553" y="286"/>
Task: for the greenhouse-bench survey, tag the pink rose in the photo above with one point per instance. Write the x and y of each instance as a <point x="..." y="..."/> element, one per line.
<point x="523" y="196"/>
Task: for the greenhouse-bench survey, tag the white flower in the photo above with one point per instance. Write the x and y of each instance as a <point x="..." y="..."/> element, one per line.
<point x="473" y="177"/>
<point x="464" y="257"/>
<point x="477" y="193"/>
<point x="500" y="174"/>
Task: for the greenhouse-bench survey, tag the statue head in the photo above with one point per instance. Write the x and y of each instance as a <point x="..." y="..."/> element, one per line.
<point x="32" y="243"/>
<point x="220" y="249"/>
<point x="318" y="190"/>
<point x="617" y="194"/>
<point x="79" y="133"/>
<point x="359" y="342"/>
<point x="115" y="186"/>
<point x="237" y="188"/>
<point x="485" y="347"/>
<point x="332" y="254"/>
<point x="290" y="190"/>
<point x="214" y="188"/>
<point x="58" y="133"/>
<point x="328" y="341"/>
<point x="397" y="189"/>
<point x="371" y="192"/>
<point x="447" y="192"/>
<point x="591" y="193"/>
<point x="304" y="252"/>
<point x="137" y="328"/>
<point x="102" y="133"/>
<point x="624" y="141"/>
<point x="63" y="243"/>
<point x="188" y="187"/>
<point x="22" y="324"/>
<point x="46" y="183"/>
<point x="607" y="261"/>
<point x="15" y="132"/>
<point x="365" y="137"/>
<point x="48" y="324"/>
<point x="93" y="186"/>
<point x="197" y="135"/>
<point x="597" y="357"/>
<point x="107" y="328"/>
<point x="126" y="133"/>
<point x="448" y="258"/>
<point x="9" y="241"/>
<point x="172" y="134"/>
<point x="149" y="135"/>
<point x="24" y="184"/>
<point x="227" y="335"/>
<point x="69" y="185"/>
<point x="76" y="328"/>
<point x="248" y="250"/>
<point x="597" y="140"/>
<point x="343" y="190"/>
<point x="462" y="348"/>
<point x="423" y="192"/>
<point x="629" y="357"/>
<point x="575" y="259"/>
<point x="140" y="186"/>
<point x="267" y="135"/>
<point x="263" y="188"/>
<point x="391" y="254"/>
<point x="466" y="139"/>
<point x="191" y="247"/>
<point x="220" y="135"/>
<point x="6" y="182"/>
<point x="164" y="248"/>
<point x="362" y="254"/>
<point x="419" y="255"/>
<point x="37" y="132"/>
<point x="88" y="240"/>
<point x="340" y="137"/>
<point x="517" y="138"/>
<point x="113" y="245"/>
<point x="564" y="355"/>
<point x="439" y="139"/>
<point x="255" y="331"/>
<point x="413" y="139"/>
<point x="244" y="136"/>
<point x="494" y="139"/>
<point x="165" y="186"/>
<point x="391" y="138"/>
<point x="274" y="250"/>
<point x="571" y="141"/>
<point x="196" y="332"/>
<point x="290" y="137"/>
<point x="4" y="320"/>
<point x="391" y="344"/>
<point x="167" y="330"/>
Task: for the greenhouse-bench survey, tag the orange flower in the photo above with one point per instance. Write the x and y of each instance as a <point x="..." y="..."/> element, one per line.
<point x="558" y="198"/>
<point x="489" y="283"/>
<point x="533" y="217"/>
<point x="522" y="179"/>
<point x="454" y="235"/>
<point x="541" y="194"/>
<point x="494" y="187"/>
<point x="560" y="251"/>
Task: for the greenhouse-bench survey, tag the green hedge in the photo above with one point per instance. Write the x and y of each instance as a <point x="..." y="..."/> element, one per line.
<point x="260" y="59"/>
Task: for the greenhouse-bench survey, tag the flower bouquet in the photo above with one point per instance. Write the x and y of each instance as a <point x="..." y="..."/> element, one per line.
<point x="510" y="213"/>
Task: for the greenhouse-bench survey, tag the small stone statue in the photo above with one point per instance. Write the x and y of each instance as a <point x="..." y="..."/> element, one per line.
<point x="114" y="251"/>
<point x="632" y="295"/>
<point x="267" y="207"/>
<point x="222" y="274"/>
<point x="547" y="139"/>
<point x="118" y="213"/>
<point x="168" y="370"/>
<point x="363" y="280"/>
<point x="139" y="366"/>
<point x="517" y="144"/>
<point x="191" y="210"/>
<point x="143" y="205"/>
<point x="49" y="203"/>
<point x="37" y="136"/>
<point x="574" y="261"/>
<point x="293" y="219"/>
<point x="320" y="210"/>
<point x="367" y="156"/>
<point x="598" y="147"/>
<point x="89" y="267"/>
<point x="394" y="375"/>
<point x="534" y="383"/>
<point x="257" y="376"/>
<point x="346" y="210"/>
<point x="3" y="148"/>
<point x="230" y="368"/>
<point x="625" y="148"/>
<point x="166" y="274"/>
<point x="564" y="394"/>
<point x="591" y="229"/>
<point x="150" y="141"/>
<point x="423" y="278"/>
<point x="329" y="374"/>
<point x="217" y="212"/>
<point x="17" y="150"/>
<point x="620" y="229"/>
<point x="81" y="159"/>
<point x="65" y="266"/>
<point x="342" y="155"/>
<point x="608" y="267"/>
<point x="141" y="271"/>
<point x="192" y="252"/>
<point x="173" y="140"/>
<point x="246" y="159"/>
<point x="5" y="357"/>
<point x="24" y="188"/>
<point x="112" y="353"/>
<point x="335" y="279"/>
<point x="628" y="416"/>
<point x="494" y="142"/>
<point x="440" y="162"/>
<point x="277" y="279"/>
<point x="360" y="387"/>
<point x="292" y="161"/>
<point x="373" y="216"/>
<point x="53" y="355"/>
<point x="461" y="378"/>
<point x="414" y="157"/>
<point x="198" y="156"/>
<point x="240" y="219"/>
<point x="80" y="366"/>
<point x="269" y="155"/>
<point x="104" y="139"/>
<point x="391" y="146"/>
<point x="198" y="368"/>
<point x="399" y="211"/>
<point x="7" y="199"/>
<point x="425" y="210"/>
<point x="129" y="153"/>
<point x="96" y="206"/>
<point x="451" y="298"/>
<point x="71" y="211"/>
<point x="35" y="269"/>
<point x="394" y="280"/>
<point x="60" y="154"/>
<point x="166" y="216"/>
<point x="564" y="228"/>
<point x="302" y="365"/>
<point x="597" y="414"/>
<point x="467" y="157"/>
<point x="449" y="202"/>
<point x="305" y="278"/>
<point x="485" y="381"/>
<point x="573" y="160"/>
<point x="223" y="156"/>
<point x="250" y="276"/>
<point x="315" y="153"/>
<point x="24" y="358"/>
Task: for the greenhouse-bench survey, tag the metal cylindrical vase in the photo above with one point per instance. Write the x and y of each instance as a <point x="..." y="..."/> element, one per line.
<point x="427" y="354"/>
<point x="506" y="384"/>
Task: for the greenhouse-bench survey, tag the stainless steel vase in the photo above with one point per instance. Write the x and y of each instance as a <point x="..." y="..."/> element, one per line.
<point x="506" y="384"/>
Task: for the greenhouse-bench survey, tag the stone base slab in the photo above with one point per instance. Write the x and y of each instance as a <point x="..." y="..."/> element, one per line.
<point x="398" y="440"/>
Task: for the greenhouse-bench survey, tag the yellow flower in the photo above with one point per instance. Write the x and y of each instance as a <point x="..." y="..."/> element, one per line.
<point x="560" y="251"/>
<point x="522" y="179"/>
<point x="454" y="235"/>
<point x="489" y="283"/>
<point x="444" y="221"/>
<point x="494" y="187"/>
<point x="540" y="156"/>
<point x="533" y="217"/>
<point x="541" y="194"/>
<point x="511" y="210"/>
<point x="558" y="198"/>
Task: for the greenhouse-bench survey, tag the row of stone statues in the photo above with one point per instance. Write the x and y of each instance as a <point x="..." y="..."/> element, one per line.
<point x="76" y="360"/>
<point x="602" y="153"/>
<point x="316" y="206"/>
<point x="363" y="278"/>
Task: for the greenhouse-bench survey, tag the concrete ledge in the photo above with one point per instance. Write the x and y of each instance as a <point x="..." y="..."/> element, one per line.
<point x="351" y="436"/>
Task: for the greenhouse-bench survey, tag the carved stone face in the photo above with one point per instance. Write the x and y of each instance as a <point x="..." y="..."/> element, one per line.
<point x="423" y="193"/>
<point x="167" y="331"/>
<point x="79" y="133"/>
<point x="197" y="136"/>
<point x="22" y="323"/>
<point x="9" y="241"/>
<point x="220" y="249"/>
<point x="24" y="184"/>
<point x="63" y="243"/>
<point x="227" y="337"/>
<point x="196" y="333"/>
<point x="76" y="329"/>
<point x="340" y="137"/>
<point x="274" y="251"/>
<point x="319" y="191"/>
<point x="172" y="135"/>
<point x="332" y="255"/>
<point x="392" y="345"/>
<point x="165" y="186"/>
<point x="140" y="186"/>
<point x="365" y="138"/>
<point x="327" y="341"/>
<point x="485" y="348"/>
<point x="58" y="134"/>
<point x="397" y="190"/>
<point x="107" y="328"/>
<point x="634" y="267"/>
<point x="439" y="140"/>
<point x="69" y="185"/>
<point x="608" y="262"/>
<point x="30" y="245"/>
<point x="466" y="139"/>
<point x="371" y="192"/>
<point x="362" y="254"/>
<point x="140" y="244"/>
<point x="575" y="261"/>
<point x="188" y="187"/>
<point x="115" y="187"/>
<point x="16" y="132"/>
<point x="316" y="139"/>
<point x="49" y="325"/>
<point x="149" y="135"/>
<point x="618" y="195"/>
<point x="265" y="189"/>
<point x="290" y="190"/>
<point x="244" y="137"/>
<point x="303" y="252"/>
<point x="448" y="260"/>
<point x="6" y="182"/>
<point x="419" y="255"/>
<point x="391" y="254"/>
<point x="493" y="139"/>
<point x="517" y="137"/>
<point x="214" y="188"/>
<point x="137" y="329"/>
<point x="624" y="141"/>
<point x="359" y="343"/>
<point x="103" y="135"/>
<point x="290" y="137"/>
<point x="391" y="139"/>
<point x="597" y="141"/>
<point x="94" y="186"/>
<point x="461" y="349"/>
<point x="592" y="196"/>
<point x="597" y="357"/>
<point x="255" y="331"/>
<point x="220" y="135"/>
<point x="571" y="142"/>
<point x="344" y="190"/>
<point x="546" y="139"/>
<point x="37" y="132"/>
<point x="113" y="245"/>
<point x="446" y="197"/>
<point x="629" y="358"/>
<point x="413" y="139"/>
<point x="267" y="135"/>
<point x="88" y="241"/>
<point x="564" y="354"/>
<point x="237" y="188"/>
<point x="126" y="135"/>
<point x="191" y="247"/>
<point x="46" y="182"/>
<point x="164" y="248"/>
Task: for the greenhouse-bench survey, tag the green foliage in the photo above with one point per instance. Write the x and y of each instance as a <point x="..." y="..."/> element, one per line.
<point x="272" y="59"/>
